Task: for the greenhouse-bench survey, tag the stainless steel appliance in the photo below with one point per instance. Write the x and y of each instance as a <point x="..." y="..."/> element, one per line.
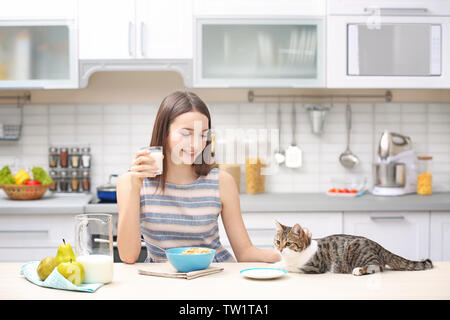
<point x="394" y="170"/>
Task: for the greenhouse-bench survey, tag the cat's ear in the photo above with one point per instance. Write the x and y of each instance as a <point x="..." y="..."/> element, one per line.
<point x="307" y="232"/>
<point x="297" y="229"/>
<point x="279" y="226"/>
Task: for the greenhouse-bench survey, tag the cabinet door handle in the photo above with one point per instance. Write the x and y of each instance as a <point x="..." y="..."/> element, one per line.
<point x="398" y="11"/>
<point x="23" y="231"/>
<point x="390" y="218"/>
<point x="143" y="39"/>
<point x="131" y="39"/>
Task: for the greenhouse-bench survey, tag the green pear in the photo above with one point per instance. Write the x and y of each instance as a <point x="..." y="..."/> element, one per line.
<point x="46" y="267"/>
<point x="65" y="253"/>
<point x="72" y="271"/>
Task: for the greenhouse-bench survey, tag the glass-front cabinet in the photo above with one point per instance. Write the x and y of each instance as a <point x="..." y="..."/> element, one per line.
<point x="253" y="52"/>
<point x="38" y="54"/>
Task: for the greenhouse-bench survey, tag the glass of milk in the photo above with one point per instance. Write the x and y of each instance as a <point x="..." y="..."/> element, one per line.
<point x="94" y="246"/>
<point x="156" y="152"/>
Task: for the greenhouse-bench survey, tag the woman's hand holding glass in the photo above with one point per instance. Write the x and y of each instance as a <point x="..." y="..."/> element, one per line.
<point x="144" y="165"/>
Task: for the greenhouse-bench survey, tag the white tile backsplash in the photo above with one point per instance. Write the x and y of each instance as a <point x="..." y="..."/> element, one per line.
<point x="116" y="131"/>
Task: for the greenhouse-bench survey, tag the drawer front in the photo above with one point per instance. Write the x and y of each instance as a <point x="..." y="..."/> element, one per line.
<point x="440" y="236"/>
<point x="403" y="233"/>
<point x="26" y="254"/>
<point x="32" y="231"/>
<point x="261" y="226"/>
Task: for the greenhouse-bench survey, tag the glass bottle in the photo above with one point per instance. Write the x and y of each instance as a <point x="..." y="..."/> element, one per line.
<point x="86" y="157"/>
<point x="53" y="157"/>
<point x="75" y="157"/>
<point x="74" y="181"/>
<point x="63" y="157"/>
<point x="424" y="178"/>
<point x="63" y="181"/>
<point x="54" y="175"/>
<point x="86" y="180"/>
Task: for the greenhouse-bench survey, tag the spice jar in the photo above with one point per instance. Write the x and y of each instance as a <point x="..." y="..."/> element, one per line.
<point x="86" y="180"/>
<point x="54" y="175"/>
<point x="63" y="181"/>
<point x="63" y="157"/>
<point x="53" y="157"/>
<point x="424" y="178"/>
<point x="255" y="180"/>
<point x="74" y="181"/>
<point x="75" y="157"/>
<point x="86" y="157"/>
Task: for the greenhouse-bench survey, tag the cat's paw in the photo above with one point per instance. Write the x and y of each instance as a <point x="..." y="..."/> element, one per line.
<point x="278" y="265"/>
<point x="358" y="271"/>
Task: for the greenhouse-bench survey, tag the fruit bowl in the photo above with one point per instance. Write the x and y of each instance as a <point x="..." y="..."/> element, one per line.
<point x="24" y="192"/>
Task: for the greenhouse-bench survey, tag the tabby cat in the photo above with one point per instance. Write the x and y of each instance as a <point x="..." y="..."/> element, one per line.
<point x="338" y="253"/>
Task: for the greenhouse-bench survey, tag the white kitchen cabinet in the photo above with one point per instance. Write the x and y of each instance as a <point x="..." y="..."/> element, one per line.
<point x="138" y="29"/>
<point x="259" y="52"/>
<point x="107" y="29"/>
<point x="164" y="29"/>
<point x="40" y="10"/>
<point x="259" y="7"/>
<point x="261" y="226"/>
<point x="440" y="236"/>
<point x="33" y="237"/>
<point x="405" y="234"/>
<point x="38" y="54"/>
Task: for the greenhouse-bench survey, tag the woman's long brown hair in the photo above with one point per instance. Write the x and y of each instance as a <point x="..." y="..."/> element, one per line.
<point x="172" y="106"/>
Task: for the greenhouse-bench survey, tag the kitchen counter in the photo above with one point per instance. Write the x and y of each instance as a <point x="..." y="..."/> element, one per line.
<point x="316" y="202"/>
<point x="229" y="284"/>
<point x="266" y="202"/>
<point x="57" y="203"/>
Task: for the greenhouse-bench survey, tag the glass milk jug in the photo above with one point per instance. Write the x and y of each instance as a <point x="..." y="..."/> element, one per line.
<point x="94" y="246"/>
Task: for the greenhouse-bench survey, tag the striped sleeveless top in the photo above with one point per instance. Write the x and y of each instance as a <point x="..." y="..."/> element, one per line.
<point x="185" y="215"/>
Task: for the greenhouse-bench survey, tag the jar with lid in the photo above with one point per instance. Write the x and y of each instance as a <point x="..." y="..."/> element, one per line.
<point x="255" y="180"/>
<point x="53" y="157"/>
<point x="64" y="157"/>
<point x="86" y="157"/>
<point x="54" y="175"/>
<point x="75" y="157"/>
<point x="63" y="181"/>
<point x="86" y="180"/>
<point x="74" y="181"/>
<point x="424" y="178"/>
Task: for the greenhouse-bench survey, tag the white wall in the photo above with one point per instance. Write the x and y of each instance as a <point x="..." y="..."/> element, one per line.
<point x="115" y="131"/>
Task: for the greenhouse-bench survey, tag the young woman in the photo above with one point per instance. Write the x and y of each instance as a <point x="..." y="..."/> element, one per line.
<point x="180" y="207"/>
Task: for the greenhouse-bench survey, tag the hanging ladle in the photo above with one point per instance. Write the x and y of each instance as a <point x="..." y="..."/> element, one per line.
<point x="348" y="159"/>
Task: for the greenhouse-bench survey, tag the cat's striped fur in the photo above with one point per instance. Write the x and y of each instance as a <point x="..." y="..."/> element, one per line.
<point x="338" y="253"/>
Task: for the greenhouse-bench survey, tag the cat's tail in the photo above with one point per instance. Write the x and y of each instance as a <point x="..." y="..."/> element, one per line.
<point x="396" y="262"/>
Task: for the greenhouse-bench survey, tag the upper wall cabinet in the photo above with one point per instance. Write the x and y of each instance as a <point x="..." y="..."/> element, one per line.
<point x="38" y="48"/>
<point x="38" y="10"/>
<point x="136" y="29"/>
<point x="374" y="44"/>
<point x="259" y="7"/>
<point x="252" y="52"/>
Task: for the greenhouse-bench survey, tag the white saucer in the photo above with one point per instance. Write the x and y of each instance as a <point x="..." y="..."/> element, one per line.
<point x="263" y="273"/>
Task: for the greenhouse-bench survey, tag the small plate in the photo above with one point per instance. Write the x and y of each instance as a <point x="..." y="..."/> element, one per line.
<point x="263" y="273"/>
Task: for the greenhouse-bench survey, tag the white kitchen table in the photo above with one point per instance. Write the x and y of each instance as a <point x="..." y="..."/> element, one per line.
<point x="229" y="284"/>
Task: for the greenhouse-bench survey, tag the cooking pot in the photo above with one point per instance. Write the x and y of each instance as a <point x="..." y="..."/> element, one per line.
<point x="107" y="192"/>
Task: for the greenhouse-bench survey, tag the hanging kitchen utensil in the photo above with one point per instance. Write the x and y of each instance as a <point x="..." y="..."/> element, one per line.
<point x="279" y="154"/>
<point x="348" y="159"/>
<point x="317" y="115"/>
<point x="293" y="152"/>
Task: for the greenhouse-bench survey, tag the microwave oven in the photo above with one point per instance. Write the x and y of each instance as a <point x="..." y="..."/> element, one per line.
<point x="388" y="48"/>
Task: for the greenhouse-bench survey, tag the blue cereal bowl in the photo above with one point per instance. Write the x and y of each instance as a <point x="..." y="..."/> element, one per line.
<point x="189" y="262"/>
